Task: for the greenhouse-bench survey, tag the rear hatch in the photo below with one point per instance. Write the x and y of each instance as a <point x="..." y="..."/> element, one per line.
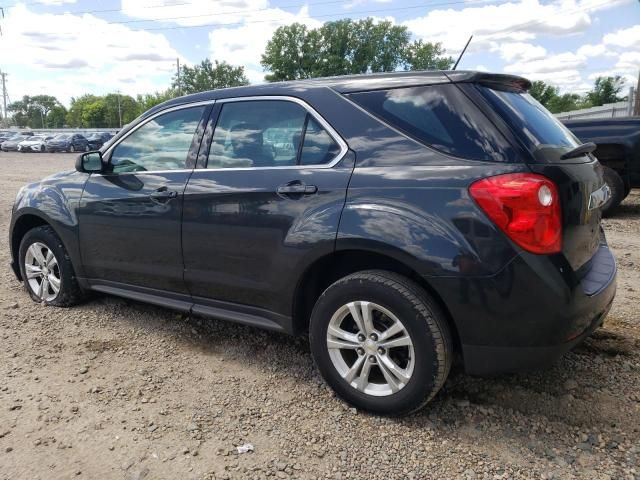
<point x="579" y="179"/>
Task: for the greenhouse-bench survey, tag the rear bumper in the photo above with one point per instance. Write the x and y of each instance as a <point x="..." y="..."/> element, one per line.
<point x="529" y="314"/>
<point x="491" y="360"/>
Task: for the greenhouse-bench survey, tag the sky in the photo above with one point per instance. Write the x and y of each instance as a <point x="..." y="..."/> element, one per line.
<point x="67" y="48"/>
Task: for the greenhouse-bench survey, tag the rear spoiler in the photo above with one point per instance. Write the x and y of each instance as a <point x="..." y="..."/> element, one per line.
<point x="498" y="80"/>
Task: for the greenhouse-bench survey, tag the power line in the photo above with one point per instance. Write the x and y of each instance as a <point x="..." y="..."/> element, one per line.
<point x="244" y="22"/>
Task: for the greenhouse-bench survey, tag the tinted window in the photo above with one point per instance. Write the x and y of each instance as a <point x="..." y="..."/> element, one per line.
<point x="440" y="116"/>
<point x="269" y="133"/>
<point x="257" y="134"/>
<point x="318" y="147"/>
<point x="160" y="144"/>
<point x="546" y="136"/>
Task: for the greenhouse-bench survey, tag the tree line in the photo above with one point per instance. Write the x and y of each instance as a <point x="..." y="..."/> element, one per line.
<point x="605" y="90"/>
<point x="294" y="52"/>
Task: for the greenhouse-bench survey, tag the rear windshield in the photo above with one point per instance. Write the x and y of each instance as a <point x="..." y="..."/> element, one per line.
<point x="542" y="133"/>
<point x="440" y="116"/>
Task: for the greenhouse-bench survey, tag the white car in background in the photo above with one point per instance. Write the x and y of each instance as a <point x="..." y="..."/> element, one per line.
<point x="35" y="143"/>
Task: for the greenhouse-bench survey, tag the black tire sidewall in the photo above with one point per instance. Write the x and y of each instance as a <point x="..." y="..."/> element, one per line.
<point x="46" y="236"/>
<point x="616" y="185"/>
<point x="425" y="375"/>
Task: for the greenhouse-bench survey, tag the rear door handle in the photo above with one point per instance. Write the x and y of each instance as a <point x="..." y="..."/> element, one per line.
<point x="297" y="188"/>
<point x="163" y="194"/>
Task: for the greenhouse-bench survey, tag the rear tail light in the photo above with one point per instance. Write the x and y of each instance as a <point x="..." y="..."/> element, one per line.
<point x="525" y="206"/>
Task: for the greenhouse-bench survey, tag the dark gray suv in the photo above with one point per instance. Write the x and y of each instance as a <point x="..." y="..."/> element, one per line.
<point x="397" y="219"/>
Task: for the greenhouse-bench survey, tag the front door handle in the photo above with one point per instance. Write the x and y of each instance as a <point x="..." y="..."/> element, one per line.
<point x="298" y="188"/>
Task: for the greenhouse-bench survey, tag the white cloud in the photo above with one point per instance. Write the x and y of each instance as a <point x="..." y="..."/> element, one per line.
<point x="515" y="21"/>
<point x="83" y="51"/>
<point x="589" y="50"/>
<point x="519" y="51"/>
<point x="626" y="38"/>
<point x="195" y="12"/>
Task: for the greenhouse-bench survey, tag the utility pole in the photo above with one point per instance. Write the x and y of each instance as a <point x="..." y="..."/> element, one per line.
<point x="4" y="98"/>
<point x="119" y="110"/>
<point x="178" y="75"/>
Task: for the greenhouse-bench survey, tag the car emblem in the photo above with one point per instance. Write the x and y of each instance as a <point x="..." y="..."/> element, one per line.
<point x="599" y="197"/>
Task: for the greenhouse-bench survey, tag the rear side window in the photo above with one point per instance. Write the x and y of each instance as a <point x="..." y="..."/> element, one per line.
<point x="440" y="116"/>
<point x="269" y="133"/>
<point x="543" y="134"/>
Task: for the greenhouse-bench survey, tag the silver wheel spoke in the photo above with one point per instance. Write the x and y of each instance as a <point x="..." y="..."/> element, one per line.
<point x="341" y="344"/>
<point x="33" y="271"/>
<point x="394" y="329"/>
<point x="49" y="257"/>
<point x="391" y="367"/>
<point x="44" y="288"/>
<point x="342" y="334"/>
<point x="363" y="378"/>
<point x="354" y="309"/>
<point x="55" y="283"/>
<point x="37" y="254"/>
<point x="403" y="341"/>
<point x="355" y="368"/>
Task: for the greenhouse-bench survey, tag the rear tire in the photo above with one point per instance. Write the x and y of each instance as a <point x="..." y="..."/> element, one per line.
<point x="384" y="373"/>
<point x="616" y="184"/>
<point x="43" y="258"/>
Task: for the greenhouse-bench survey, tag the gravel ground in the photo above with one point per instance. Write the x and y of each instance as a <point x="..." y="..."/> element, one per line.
<point x="118" y="389"/>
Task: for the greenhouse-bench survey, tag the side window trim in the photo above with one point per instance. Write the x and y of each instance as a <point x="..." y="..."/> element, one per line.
<point x="107" y="154"/>
<point x="311" y="112"/>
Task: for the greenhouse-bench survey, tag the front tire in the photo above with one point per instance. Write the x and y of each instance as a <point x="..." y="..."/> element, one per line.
<point x="381" y="342"/>
<point x="46" y="268"/>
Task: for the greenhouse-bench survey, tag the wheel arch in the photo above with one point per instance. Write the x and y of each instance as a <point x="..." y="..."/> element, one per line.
<point x="22" y="224"/>
<point x="331" y="267"/>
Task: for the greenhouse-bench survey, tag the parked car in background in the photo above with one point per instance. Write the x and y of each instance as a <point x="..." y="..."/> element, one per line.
<point x="35" y="143"/>
<point x="618" y="150"/>
<point x="68" y="142"/>
<point x="11" y="135"/>
<point x="397" y="219"/>
<point x="98" y="139"/>
<point x="11" y="144"/>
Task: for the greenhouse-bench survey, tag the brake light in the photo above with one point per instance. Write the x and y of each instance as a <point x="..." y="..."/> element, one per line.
<point x="525" y="206"/>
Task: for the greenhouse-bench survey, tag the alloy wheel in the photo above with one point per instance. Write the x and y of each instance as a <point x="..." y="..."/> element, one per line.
<point x="42" y="271"/>
<point x="370" y="348"/>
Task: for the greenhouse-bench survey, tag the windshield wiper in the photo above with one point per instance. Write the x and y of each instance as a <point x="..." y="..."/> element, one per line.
<point x="579" y="151"/>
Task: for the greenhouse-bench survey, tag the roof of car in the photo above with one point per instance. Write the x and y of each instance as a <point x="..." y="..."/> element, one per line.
<point x="349" y="84"/>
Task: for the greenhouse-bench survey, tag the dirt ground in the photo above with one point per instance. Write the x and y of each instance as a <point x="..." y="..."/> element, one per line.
<point x="118" y="389"/>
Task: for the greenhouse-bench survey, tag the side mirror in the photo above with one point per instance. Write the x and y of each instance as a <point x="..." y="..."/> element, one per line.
<point x="90" y="162"/>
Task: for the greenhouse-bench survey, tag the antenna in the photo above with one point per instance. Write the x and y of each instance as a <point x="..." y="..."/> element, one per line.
<point x="462" y="53"/>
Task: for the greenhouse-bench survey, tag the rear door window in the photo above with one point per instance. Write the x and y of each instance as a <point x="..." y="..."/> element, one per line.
<point x="542" y="133"/>
<point x="440" y="116"/>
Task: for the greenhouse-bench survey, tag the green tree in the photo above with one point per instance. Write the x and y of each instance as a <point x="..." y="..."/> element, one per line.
<point x="565" y="103"/>
<point x="150" y="100"/>
<point x="56" y="117"/>
<point x="76" y="116"/>
<point x="33" y="111"/>
<point x="346" y="47"/>
<point x="291" y="53"/>
<point x="117" y="105"/>
<point x="605" y="90"/>
<point x="543" y="92"/>
<point x="426" y="56"/>
<point x="209" y="76"/>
